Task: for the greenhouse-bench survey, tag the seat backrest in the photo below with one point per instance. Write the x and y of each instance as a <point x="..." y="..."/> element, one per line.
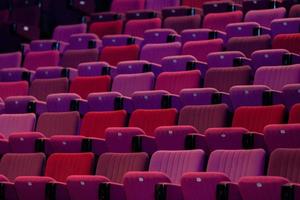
<point x="115" y="165"/>
<point x="285" y="26"/>
<point x="41" y="88"/>
<point x="139" y="26"/>
<point x="19" y="88"/>
<point x="294" y="116"/>
<point x="72" y="58"/>
<point x="295" y="11"/>
<point x="237" y="163"/>
<point x="160" y="4"/>
<point x="81" y="41"/>
<point x="223" y="59"/>
<point x="287" y="41"/>
<point x="10" y="123"/>
<point x="149" y="120"/>
<point x="203" y="117"/>
<point x="94" y="124"/>
<point x="63" y="33"/>
<point x="264" y="17"/>
<point x="83" y="86"/>
<point x="255" y="118"/>
<point x="127" y="84"/>
<point x="13" y="165"/>
<point x="123" y="6"/>
<point x="61" y="165"/>
<point x="174" y="82"/>
<point x="10" y="60"/>
<point x="278" y="76"/>
<point x="176" y="163"/>
<point x="33" y="59"/>
<point x="180" y="23"/>
<point x="58" y="123"/>
<point x="60" y="102"/>
<point x="219" y="21"/>
<point x="285" y="163"/>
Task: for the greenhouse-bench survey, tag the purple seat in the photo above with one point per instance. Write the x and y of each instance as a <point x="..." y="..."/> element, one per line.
<point x="18" y="104"/>
<point x="265" y="17"/>
<point x="150" y="99"/>
<point x="223" y="165"/>
<point x="282" y="169"/>
<point x="105" y="101"/>
<point x="41" y="88"/>
<point x="203" y="117"/>
<point x="249" y="96"/>
<point x="156" y="52"/>
<point x="60" y="123"/>
<point x="93" y="68"/>
<point x="126" y="84"/>
<point x="160" y="4"/>
<point x="198" y="96"/>
<point x="155" y="36"/>
<point x="242" y="29"/>
<point x="11" y="123"/>
<point x="181" y="63"/>
<point x="60" y="102"/>
<point x="119" y="140"/>
<point x="290" y="95"/>
<point x="223" y="59"/>
<point x="120" y="40"/>
<point x="200" y="49"/>
<point x="13" y="165"/>
<point x="277" y="77"/>
<point x="136" y="66"/>
<point x="281" y="136"/>
<point x="174" y="82"/>
<point x="24" y="142"/>
<point x="16" y="74"/>
<point x="249" y="44"/>
<point x="219" y="21"/>
<point x="162" y="170"/>
<point x="212" y="6"/>
<point x="173" y="137"/>
<point x="55" y="72"/>
<point x="10" y="60"/>
<point x="82" y="41"/>
<point x="268" y="57"/>
<point x="200" y="34"/>
<point x="223" y="78"/>
<point x="122" y="6"/>
<point x="284" y="26"/>
<point x="111" y="167"/>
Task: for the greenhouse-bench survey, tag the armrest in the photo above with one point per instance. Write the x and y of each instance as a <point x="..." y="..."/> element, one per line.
<point x="290" y="191"/>
<point x="241" y="61"/>
<point x="98" y="145"/>
<point x="57" y="191"/>
<point x="156" y="68"/>
<point x="271" y="97"/>
<point x="4" y="146"/>
<point x="128" y="104"/>
<point x="80" y="105"/>
<point x="37" y="107"/>
<point x="73" y="73"/>
<point x="144" y="143"/>
<point x="168" y="191"/>
<point x="170" y="101"/>
<point x="138" y="41"/>
<point x="253" y="140"/>
<point x="196" y="141"/>
<point x="8" y="191"/>
<point x="265" y="30"/>
<point x="111" y="191"/>
<point x="228" y="190"/>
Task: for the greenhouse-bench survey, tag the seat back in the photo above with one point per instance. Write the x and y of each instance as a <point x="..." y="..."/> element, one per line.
<point x="10" y="123"/>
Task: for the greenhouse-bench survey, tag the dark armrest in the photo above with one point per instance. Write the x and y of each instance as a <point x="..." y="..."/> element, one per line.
<point x="228" y="190"/>
<point x="144" y="143"/>
<point x="290" y="191"/>
<point x="79" y="105"/>
<point x="8" y="191"/>
<point x="271" y="97"/>
<point x="253" y="140"/>
<point x="168" y="191"/>
<point x="98" y="145"/>
<point x="111" y="191"/>
<point x="57" y="190"/>
<point x="196" y="141"/>
<point x="4" y="146"/>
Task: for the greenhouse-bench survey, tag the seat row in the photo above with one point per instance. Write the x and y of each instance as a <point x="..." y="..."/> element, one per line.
<point x="171" y="175"/>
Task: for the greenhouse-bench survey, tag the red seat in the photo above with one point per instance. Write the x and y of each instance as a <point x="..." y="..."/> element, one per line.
<point x="295" y="114"/>
<point x="149" y="120"/>
<point x="83" y="86"/>
<point x="106" y="28"/>
<point x="255" y="118"/>
<point x="287" y="41"/>
<point x="95" y="123"/>
<point x="115" y="54"/>
<point x="13" y="89"/>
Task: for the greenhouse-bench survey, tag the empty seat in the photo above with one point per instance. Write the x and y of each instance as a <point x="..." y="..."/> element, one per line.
<point x="13" y="165"/>
<point x="18" y="104"/>
<point x="103" y="101"/>
<point x="294" y="114"/>
<point x="162" y="170"/>
<point x="255" y="118"/>
<point x="265" y="17"/>
<point x="290" y="95"/>
<point x="83" y="41"/>
<point x="115" y="54"/>
<point x="203" y="117"/>
<point x="33" y="60"/>
<point x="174" y="82"/>
<point x="159" y="4"/>
<point x="223" y="59"/>
<point x="11" y="123"/>
<point x="41" y="88"/>
<point x="61" y="102"/>
<point x="137" y="27"/>
<point x="127" y="84"/>
<point x="277" y="77"/>
<point x="122" y="6"/>
<point x="157" y="36"/>
<point x="83" y="86"/>
<point x="219" y="21"/>
<point x="102" y="28"/>
<point x="198" y="96"/>
<point x="287" y="41"/>
<point x="294" y="11"/>
<point x="285" y="26"/>
<point x="149" y="120"/>
<point x="244" y="29"/>
<point x="92" y="68"/>
<point x="180" y="23"/>
<point x="60" y="123"/>
<point x="282" y="169"/>
<point x="201" y="34"/>
<point x="10" y="60"/>
<point x="181" y="63"/>
<point x="156" y="52"/>
<point x="24" y="142"/>
<point x="200" y="49"/>
<point x="92" y="128"/>
<point x="19" y="88"/>
<point x="72" y="58"/>
<point x="249" y="44"/>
